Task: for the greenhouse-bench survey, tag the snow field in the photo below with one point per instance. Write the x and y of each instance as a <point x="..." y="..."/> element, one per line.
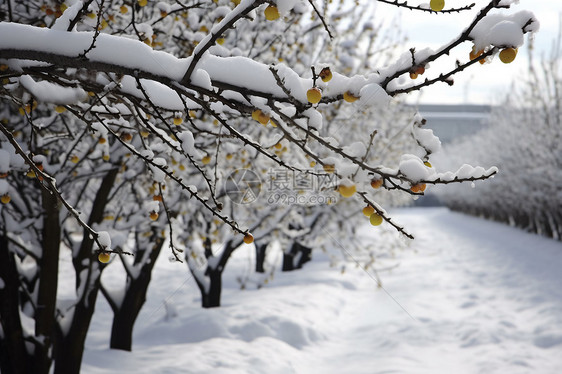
<point x="480" y="297"/>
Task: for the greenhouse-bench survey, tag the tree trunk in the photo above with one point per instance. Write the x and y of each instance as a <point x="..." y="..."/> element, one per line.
<point x="70" y="347"/>
<point x="296" y="258"/>
<point x="212" y="298"/>
<point x="260" y="257"/>
<point x="125" y="316"/>
<point x="13" y="355"/>
<point x="48" y="280"/>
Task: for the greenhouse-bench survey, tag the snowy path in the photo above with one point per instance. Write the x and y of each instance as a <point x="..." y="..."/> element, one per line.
<point x="483" y="298"/>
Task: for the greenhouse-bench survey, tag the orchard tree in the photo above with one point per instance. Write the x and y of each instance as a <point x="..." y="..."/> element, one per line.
<point x="523" y="139"/>
<point x="119" y="120"/>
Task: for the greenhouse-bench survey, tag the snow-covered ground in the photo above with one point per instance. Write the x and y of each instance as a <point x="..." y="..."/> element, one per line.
<point x="468" y="296"/>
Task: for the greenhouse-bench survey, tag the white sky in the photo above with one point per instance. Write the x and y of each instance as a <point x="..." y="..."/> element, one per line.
<point x="480" y="84"/>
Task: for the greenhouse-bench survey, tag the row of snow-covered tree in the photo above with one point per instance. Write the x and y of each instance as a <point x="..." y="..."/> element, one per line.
<point x="123" y="124"/>
<point x="524" y="141"/>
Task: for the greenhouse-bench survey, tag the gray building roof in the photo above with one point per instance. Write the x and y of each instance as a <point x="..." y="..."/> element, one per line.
<point x="452" y="121"/>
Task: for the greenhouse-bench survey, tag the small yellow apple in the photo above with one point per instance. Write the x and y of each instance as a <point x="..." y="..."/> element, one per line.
<point x="349" y="97"/>
<point x="313" y="95"/>
<point x="325" y="74"/>
<point x="417" y="188"/>
<point x="248" y="238"/>
<point x="368" y="211"/>
<point x="376" y="183"/>
<point x="375" y="219"/>
<point x="104" y="257"/>
<point x="5" y="199"/>
<point x="271" y="13"/>
<point x="437" y="5"/>
<point x="347" y="191"/>
<point x="507" y="55"/>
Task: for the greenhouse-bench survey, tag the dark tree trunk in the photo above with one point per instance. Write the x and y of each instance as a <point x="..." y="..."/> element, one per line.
<point x="212" y="298"/>
<point x="48" y="280"/>
<point x="260" y="257"/>
<point x="297" y="257"/>
<point x="70" y="347"/>
<point x="135" y="296"/>
<point x="13" y="355"/>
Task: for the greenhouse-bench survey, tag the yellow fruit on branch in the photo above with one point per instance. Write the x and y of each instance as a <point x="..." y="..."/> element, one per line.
<point x="104" y="257"/>
<point x="5" y="199"/>
<point x="349" y="97"/>
<point x="418" y="188"/>
<point x="313" y="95"/>
<point x="325" y="74"/>
<point x="206" y="160"/>
<point x="474" y="54"/>
<point x="437" y="5"/>
<point x="263" y="118"/>
<point x="271" y="13"/>
<point x="329" y="168"/>
<point x="178" y="121"/>
<point x="347" y="191"/>
<point x="74" y="159"/>
<point x="157" y="198"/>
<point x="375" y="219"/>
<point x="368" y="211"/>
<point x="142" y="2"/>
<point x="256" y="115"/>
<point x="428" y="164"/>
<point x="507" y="55"/>
<point x="376" y="183"/>
<point x="60" y="109"/>
<point x="248" y="238"/>
<point x="153" y="215"/>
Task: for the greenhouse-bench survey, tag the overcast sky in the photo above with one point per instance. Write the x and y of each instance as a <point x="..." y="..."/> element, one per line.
<point x="479" y="84"/>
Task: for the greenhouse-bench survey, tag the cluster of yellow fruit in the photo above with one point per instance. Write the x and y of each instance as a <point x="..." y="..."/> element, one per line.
<point x="314" y="95"/>
<point x="374" y="218"/>
<point x="507" y="55"/>
<point x="437" y="5"/>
